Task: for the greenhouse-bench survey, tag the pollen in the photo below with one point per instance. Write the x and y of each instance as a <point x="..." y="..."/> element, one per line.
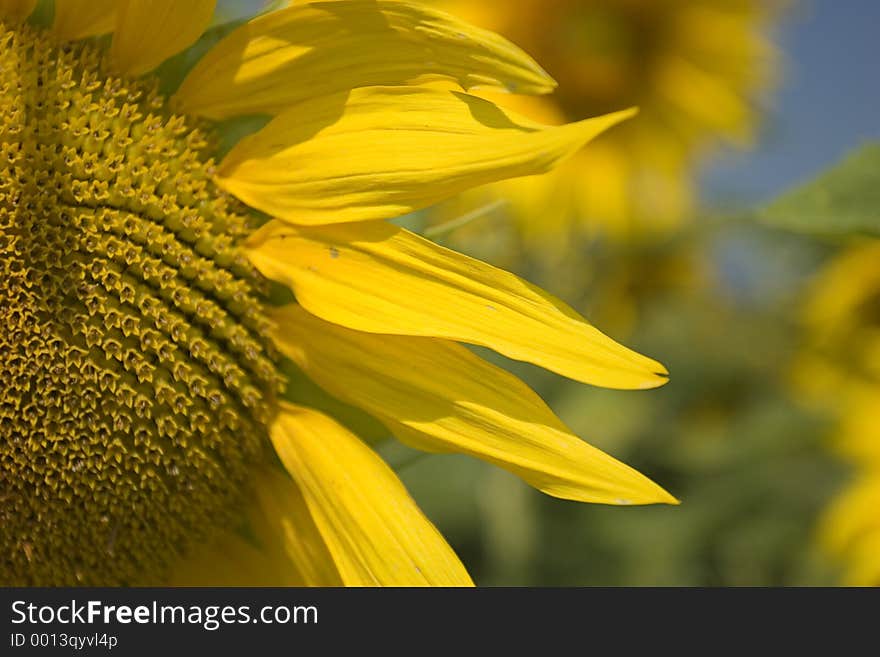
<point x="136" y="373"/>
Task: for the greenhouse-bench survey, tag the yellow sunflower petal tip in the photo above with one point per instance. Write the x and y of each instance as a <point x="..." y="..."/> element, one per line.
<point x="481" y="410"/>
<point x="379" y="278"/>
<point x="592" y="127"/>
<point x="627" y="113"/>
<point x="656" y="380"/>
<point x="636" y="489"/>
<point x="650" y="495"/>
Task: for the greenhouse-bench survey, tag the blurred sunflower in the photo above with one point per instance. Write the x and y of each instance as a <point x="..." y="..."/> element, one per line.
<point x="841" y="371"/>
<point x="695" y="69"/>
<point x="144" y="430"/>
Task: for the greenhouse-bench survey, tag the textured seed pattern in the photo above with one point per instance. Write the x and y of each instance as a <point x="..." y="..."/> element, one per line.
<point x="136" y="378"/>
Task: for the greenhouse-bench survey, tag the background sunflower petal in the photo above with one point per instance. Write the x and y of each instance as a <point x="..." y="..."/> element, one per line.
<point x="322" y="48"/>
<point x="372" y="527"/>
<point x="437" y="395"/>
<point x="380" y="152"/>
<point x="864" y="567"/>
<point x="78" y="19"/>
<point x="851" y="516"/>
<point x="379" y="278"/>
<point x="150" y="31"/>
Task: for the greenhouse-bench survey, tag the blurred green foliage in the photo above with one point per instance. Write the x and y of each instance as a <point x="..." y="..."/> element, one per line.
<point x="845" y="200"/>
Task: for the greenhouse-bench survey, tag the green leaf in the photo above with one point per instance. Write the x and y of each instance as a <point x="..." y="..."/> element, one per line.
<point x="844" y="200"/>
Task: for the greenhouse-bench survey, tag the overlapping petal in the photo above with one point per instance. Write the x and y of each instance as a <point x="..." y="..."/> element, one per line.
<point x="380" y="152"/>
<point x="437" y="395"/>
<point x="321" y="48"/>
<point x="380" y="278"/>
<point x="371" y="526"/>
<point x="147" y="32"/>
<point x="230" y="561"/>
<point x="78" y="19"/>
<point x="15" y="11"/>
<point x="287" y="532"/>
<point x="284" y="547"/>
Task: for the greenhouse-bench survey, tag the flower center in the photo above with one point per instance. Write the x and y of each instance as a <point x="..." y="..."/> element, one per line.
<point x="136" y="377"/>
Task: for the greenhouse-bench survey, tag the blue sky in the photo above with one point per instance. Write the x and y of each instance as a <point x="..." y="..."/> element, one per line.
<point x="829" y="101"/>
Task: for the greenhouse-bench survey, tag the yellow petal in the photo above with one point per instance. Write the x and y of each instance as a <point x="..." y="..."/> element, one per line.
<point x="78" y="19"/>
<point x="437" y="395"/>
<point x="380" y="152"/>
<point x="150" y="31"/>
<point x="284" y="547"/>
<point x="16" y="11"/>
<point x="227" y="561"/>
<point x="288" y="534"/>
<point x="318" y="49"/>
<point x="379" y="278"/>
<point x="372" y="527"/>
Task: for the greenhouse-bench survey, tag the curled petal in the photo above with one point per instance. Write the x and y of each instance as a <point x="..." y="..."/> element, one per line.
<point x="380" y="152"/>
<point x="321" y="48"/>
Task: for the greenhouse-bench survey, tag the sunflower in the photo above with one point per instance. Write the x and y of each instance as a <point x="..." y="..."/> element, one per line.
<point x="842" y="372"/>
<point x="159" y="310"/>
<point x="695" y="69"/>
